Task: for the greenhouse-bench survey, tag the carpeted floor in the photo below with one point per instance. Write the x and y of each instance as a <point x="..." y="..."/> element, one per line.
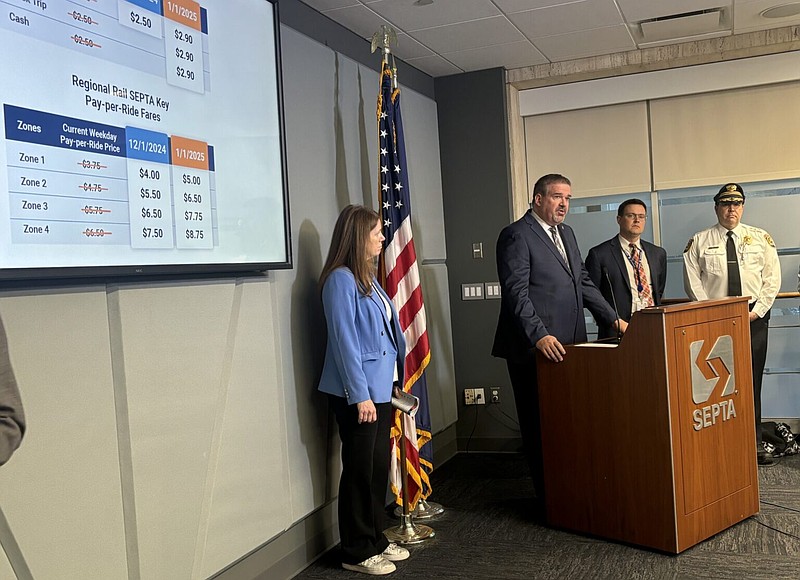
<point x="489" y="531"/>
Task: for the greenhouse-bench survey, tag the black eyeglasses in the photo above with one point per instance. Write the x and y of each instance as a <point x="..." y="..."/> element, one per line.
<point x="733" y="203"/>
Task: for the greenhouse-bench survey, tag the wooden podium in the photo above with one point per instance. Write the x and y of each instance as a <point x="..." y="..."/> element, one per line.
<point x="652" y="441"/>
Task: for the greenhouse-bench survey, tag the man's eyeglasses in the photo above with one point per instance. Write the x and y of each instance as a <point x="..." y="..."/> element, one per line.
<point x="630" y="216"/>
<point x="732" y="203"/>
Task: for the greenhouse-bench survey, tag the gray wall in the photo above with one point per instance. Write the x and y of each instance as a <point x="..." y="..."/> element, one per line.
<point x="477" y="196"/>
<point x="174" y="427"/>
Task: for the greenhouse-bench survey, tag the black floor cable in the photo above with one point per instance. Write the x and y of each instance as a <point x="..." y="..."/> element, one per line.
<point x="783" y="507"/>
<point x="509" y="417"/>
<point x="474" y="424"/>
<point x="760" y="523"/>
<point x="475" y="421"/>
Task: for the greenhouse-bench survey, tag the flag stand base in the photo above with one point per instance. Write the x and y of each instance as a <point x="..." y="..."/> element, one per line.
<point x="408" y="532"/>
<point x="423" y="511"/>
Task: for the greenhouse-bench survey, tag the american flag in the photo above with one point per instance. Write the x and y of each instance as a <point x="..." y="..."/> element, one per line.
<point x="400" y="278"/>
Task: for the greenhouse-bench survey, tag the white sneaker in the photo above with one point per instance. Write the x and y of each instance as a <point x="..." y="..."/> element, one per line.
<point x="395" y="553"/>
<point x="376" y="566"/>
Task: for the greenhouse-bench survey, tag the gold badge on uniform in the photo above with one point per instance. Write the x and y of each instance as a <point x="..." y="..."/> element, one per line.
<point x="688" y="245"/>
<point x="747" y="240"/>
<point x="769" y="239"/>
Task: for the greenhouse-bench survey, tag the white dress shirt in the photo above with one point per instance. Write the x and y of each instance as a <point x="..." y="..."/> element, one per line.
<point x="705" y="272"/>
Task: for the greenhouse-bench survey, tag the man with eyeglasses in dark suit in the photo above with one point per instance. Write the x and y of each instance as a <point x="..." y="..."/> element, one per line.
<point x="628" y="270"/>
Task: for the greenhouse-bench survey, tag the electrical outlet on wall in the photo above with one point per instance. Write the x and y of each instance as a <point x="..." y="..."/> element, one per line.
<point x="474" y="396"/>
<point x="469" y="396"/>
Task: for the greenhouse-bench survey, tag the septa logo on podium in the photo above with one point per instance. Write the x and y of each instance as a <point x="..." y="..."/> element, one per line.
<point x="713" y="370"/>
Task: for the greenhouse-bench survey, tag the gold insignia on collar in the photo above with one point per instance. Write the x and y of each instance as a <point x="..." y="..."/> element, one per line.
<point x="688" y="245"/>
<point x="747" y="240"/>
<point x="769" y="239"/>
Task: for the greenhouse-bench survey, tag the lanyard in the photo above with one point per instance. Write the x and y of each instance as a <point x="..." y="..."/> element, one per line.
<point x="636" y="263"/>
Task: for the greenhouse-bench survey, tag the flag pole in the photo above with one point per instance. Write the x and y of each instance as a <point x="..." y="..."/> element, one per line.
<point x="407" y="532"/>
<point x="424" y="509"/>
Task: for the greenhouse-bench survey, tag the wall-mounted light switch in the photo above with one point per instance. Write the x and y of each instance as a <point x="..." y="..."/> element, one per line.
<point x="492" y="290"/>
<point x="472" y="291"/>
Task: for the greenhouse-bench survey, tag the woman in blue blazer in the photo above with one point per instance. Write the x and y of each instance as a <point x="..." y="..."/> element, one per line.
<point x="363" y="362"/>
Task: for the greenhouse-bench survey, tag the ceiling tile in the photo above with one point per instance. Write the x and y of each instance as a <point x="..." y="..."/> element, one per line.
<point x="747" y="16"/>
<point x="409" y="16"/>
<point x="435" y="66"/>
<point x="321" y="5"/>
<point x="565" y="18"/>
<point x="407" y="47"/>
<point x="476" y="34"/>
<point x="586" y="43"/>
<point x="512" y="55"/>
<point x="466" y="35"/>
<point x="638" y="10"/>
<point x="359" y="19"/>
<point x="509" y="6"/>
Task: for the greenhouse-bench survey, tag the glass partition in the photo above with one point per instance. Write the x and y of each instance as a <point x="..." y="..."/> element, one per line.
<point x="775" y="207"/>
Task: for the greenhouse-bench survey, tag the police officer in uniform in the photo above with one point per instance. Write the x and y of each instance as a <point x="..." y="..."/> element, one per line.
<point x="734" y="259"/>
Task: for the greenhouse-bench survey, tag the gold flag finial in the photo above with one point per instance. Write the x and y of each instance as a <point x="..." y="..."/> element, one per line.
<point x="384" y="38"/>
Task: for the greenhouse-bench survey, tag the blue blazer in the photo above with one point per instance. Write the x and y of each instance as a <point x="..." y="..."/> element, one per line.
<point x="364" y="345"/>
<point x="540" y="295"/>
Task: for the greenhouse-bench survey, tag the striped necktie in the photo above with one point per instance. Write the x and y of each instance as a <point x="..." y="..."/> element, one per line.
<point x="559" y="247"/>
<point x="642" y="283"/>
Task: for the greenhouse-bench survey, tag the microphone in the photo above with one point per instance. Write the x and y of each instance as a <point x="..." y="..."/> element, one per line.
<point x="614" y="301"/>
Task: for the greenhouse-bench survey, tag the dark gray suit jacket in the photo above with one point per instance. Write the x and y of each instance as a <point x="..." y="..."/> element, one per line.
<point x="608" y="255"/>
<point x="540" y="295"/>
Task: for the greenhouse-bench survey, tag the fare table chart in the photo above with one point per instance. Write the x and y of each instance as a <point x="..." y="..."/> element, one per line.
<point x="121" y="150"/>
<point x="168" y="38"/>
<point x="182" y="28"/>
<point x="73" y="181"/>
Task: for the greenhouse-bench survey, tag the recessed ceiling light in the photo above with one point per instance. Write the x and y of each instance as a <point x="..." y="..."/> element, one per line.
<point x="423" y="2"/>
<point x="782" y="11"/>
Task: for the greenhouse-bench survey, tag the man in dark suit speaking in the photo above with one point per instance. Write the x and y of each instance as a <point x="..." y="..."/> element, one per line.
<point x="628" y="270"/>
<point x="544" y="288"/>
